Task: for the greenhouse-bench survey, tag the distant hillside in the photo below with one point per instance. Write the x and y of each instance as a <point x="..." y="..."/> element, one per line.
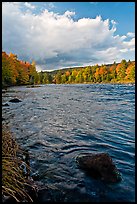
<point x="17" y="72"/>
<point x="117" y="72"/>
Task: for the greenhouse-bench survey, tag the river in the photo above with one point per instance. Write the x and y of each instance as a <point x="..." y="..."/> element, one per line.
<point x="58" y="122"/>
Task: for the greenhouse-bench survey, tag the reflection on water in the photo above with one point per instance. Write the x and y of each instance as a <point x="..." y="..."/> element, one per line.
<point x="58" y="122"/>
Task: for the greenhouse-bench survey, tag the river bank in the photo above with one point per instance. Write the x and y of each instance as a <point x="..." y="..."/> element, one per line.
<point x="17" y="185"/>
<point x="4" y="88"/>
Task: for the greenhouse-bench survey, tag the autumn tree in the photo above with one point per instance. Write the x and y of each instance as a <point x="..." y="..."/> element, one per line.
<point x="58" y="78"/>
<point x="79" y="77"/>
<point x="121" y="70"/>
<point x="63" y="78"/>
<point x="130" y="72"/>
<point x="6" y="71"/>
<point x="112" y="75"/>
<point x="32" y="72"/>
<point x="73" y="75"/>
<point x="103" y="72"/>
<point x="18" y="72"/>
<point x="93" y="71"/>
<point x="9" y="72"/>
<point x="97" y="75"/>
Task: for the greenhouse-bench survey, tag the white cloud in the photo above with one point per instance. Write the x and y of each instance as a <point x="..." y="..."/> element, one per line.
<point x="132" y="35"/>
<point x="69" y="13"/>
<point x="59" y="40"/>
<point x="28" y="5"/>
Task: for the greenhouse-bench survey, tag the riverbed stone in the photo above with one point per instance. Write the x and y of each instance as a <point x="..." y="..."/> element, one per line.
<point x="15" y="100"/>
<point x="99" y="166"/>
<point x="5" y="104"/>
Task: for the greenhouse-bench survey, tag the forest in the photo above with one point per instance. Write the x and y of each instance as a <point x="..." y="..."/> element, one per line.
<point x="18" y="72"/>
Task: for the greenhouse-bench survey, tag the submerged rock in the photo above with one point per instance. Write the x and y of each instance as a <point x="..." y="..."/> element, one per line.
<point x="99" y="166"/>
<point x="5" y="104"/>
<point x="48" y="194"/>
<point x="15" y="100"/>
<point x="35" y="176"/>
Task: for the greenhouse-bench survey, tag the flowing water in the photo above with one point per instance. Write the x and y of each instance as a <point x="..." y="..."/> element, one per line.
<point x="58" y="122"/>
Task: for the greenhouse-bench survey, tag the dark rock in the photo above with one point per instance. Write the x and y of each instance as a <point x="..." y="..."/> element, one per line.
<point x="3" y="119"/>
<point x="99" y="166"/>
<point x="5" y="104"/>
<point x="44" y="195"/>
<point x="30" y="86"/>
<point x="8" y="199"/>
<point x="33" y="86"/>
<point x="48" y="194"/>
<point x="35" y="176"/>
<point x="32" y="189"/>
<point x="15" y="100"/>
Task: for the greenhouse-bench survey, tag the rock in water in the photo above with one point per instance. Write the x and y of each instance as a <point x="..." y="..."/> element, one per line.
<point x="99" y="166"/>
<point x="15" y="100"/>
<point x="5" y="104"/>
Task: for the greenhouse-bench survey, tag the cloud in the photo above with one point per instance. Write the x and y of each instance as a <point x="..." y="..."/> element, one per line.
<point x="28" y="5"/>
<point x="57" y="40"/>
<point x="132" y="35"/>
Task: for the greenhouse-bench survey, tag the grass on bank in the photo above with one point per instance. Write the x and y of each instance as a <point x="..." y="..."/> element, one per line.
<point x="14" y="183"/>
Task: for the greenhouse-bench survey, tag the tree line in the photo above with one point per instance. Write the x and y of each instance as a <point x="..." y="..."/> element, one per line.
<point x="18" y="72"/>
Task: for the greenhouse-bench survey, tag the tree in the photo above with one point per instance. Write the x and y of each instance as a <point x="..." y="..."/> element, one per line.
<point x="6" y="71"/>
<point x="23" y="77"/>
<point x="103" y="73"/>
<point x="130" y="72"/>
<point x="121" y="70"/>
<point x="79" y="77"/>
<point x="93" y="71"/>
<point x="112" y="72"/>
<point x="97" y="75"/>
<point x="87" y="74"/>
<point x="32" y="72"/>
<point x="63" y="78"/>
<point x="9" y="72"/>
<point x="74" y="74"/>
<point x="13" y="56"/>
<point x="58" y="77"/>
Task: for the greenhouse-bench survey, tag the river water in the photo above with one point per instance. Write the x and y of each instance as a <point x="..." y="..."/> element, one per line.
<point x="58" y="122"/>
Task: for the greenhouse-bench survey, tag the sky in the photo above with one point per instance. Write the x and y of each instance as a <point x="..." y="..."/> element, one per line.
<point x="58" y="35"/>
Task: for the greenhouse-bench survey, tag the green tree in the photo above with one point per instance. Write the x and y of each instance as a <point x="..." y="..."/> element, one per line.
<point x="121" y="70"/>
<point x="63" y="78"/>
<point x="79" y="77"/>
<point x="32" y="72"/>
<point x="58" y="77"/>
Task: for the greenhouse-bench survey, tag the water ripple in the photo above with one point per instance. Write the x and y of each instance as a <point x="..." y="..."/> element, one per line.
<point x="58" y="122"/>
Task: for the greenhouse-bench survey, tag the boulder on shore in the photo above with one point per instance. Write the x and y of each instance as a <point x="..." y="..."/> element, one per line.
<point x="15" y="100"/>
<point x="99" y="166"/>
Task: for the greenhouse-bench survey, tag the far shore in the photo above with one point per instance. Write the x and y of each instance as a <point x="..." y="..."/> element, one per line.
<point x="39" y="85"/>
